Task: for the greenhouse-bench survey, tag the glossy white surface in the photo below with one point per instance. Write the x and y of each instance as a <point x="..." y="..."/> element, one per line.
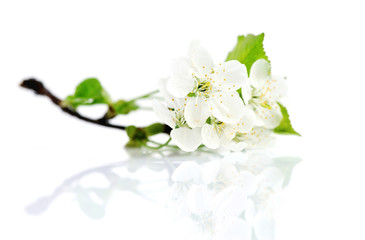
<point x="318" y="45"/>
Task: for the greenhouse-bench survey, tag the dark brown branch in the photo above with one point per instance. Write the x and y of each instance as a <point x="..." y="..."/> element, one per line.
<point x="40" y="89"/>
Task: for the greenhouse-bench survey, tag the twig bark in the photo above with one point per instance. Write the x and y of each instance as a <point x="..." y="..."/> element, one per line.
<point x="39" y="89"/>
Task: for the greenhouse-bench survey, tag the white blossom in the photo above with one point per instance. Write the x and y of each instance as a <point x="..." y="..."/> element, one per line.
<point x="262" y="91"/>
<point x="217" y="133"/>
<point x="171" y="112"/>
<point x="202" y="104"/>
<point x="208" y="89"/>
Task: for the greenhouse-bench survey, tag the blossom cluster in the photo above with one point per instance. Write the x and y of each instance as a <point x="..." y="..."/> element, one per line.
<point x="230" y="197"/>
<point x="218" y="105"/>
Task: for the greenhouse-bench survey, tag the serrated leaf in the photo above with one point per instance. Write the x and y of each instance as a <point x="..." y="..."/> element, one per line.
<point x="285" y="126"/>
<point x="248" y="49"/>
<point x="88" y="92"/>
<point x="124" y="107"/>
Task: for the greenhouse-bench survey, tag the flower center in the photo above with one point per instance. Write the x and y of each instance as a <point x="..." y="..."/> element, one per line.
<point x="179" y="118"/>
<point x="218" y="125"/>
<point x="203" y="87"/>
<point x="259" y="97"/>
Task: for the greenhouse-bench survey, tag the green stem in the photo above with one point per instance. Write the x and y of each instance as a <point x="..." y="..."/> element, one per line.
<point x="145" y="108"/>
<point x="169" y="145"/>
<point x="159" y="147"/>
<point x="144" y="96"/>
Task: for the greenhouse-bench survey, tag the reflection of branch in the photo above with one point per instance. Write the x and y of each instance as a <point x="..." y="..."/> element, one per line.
<point x="42" y="204"/>
<point x="96" y="210"/>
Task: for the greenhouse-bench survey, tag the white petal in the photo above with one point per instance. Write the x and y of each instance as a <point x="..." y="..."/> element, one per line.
<point x="231" y="201"/>
<point x="259" y="137"/>
<point x="272" y="177"/>
<point x="235" y="158"/>
<point x="163" y="113"/>
<point x="199" y="56"/>
<point x="181" y="81"/>
<point x="172" y="102"/>
<point x="227" y="107"/>
<point x="279" y="88"/>
<point x="250" y="211"/>
<point x="274" y="89"/>
<point x="247" y="122"/>
<point x="246" y="91"/>
<point x="210" y="137"/>
<point x="196" y="112"/>
<point x="259" y="73"/>
<point x="162" y="87"/>
<point x="230" y="131"/>
<point x="234" y="146"/>
<point x="270" y="118"/>
<point x="198" y="199"/>
<point x="187" y="139"/>
<point x="286" y="165"/>
<point x="231" y="76"/>
<point x="248" y="182"/>
<point x="264" y="227"/>
<point x="234" y="229"/>
<point x="186" y="172"/>
<point x="211" y="171"/>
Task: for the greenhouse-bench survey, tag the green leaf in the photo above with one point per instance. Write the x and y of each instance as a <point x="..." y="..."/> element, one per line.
<point x="248" y="49"/>
<point x="285" y="126"/>
<point x="124" y="107"/>
<point x="154" y="129"/>
<point x="88" y="92"/>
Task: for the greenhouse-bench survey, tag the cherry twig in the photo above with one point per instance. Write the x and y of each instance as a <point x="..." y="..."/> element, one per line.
<point x="39" y="89"/>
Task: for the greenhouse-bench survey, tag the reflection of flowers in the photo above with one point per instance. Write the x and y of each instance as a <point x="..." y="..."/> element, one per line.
<point x="232" y="197"/>
<point x="229" y="198"/>
<point x="183" y="177"/>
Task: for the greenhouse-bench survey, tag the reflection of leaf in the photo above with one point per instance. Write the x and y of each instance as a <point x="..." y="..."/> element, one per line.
<point x="286" y="165"/>
<point x="127" y="184"/>
<point x="94" y="208"/>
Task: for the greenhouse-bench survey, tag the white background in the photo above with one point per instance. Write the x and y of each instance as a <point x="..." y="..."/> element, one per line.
<point x="129" y="45"/>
